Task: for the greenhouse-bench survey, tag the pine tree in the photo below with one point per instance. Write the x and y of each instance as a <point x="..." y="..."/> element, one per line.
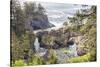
<point x="41" y="9"/>
<point x="17" y="18"/>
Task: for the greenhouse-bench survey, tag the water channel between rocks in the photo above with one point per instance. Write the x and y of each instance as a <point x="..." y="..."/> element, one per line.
<point x="61" y="56"/>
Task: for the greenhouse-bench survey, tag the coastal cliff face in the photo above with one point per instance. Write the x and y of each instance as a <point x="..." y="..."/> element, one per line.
<point x="41" y="22"/>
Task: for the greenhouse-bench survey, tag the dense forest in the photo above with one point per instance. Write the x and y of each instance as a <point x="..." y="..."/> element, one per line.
<point x="25" y="19"/>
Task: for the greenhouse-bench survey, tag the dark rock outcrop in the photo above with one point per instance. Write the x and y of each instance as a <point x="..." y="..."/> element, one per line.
<point x="40" y="22"/>
<point x="81" y="52"/>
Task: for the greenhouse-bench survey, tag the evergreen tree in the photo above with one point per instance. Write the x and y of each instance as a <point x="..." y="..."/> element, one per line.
<point x="29" y="10"/>
<point x="17" y="18"/>
<point x="41" y="9"/>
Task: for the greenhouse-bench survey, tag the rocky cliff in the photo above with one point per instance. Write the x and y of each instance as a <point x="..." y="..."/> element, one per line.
<point x="40" y="22"/>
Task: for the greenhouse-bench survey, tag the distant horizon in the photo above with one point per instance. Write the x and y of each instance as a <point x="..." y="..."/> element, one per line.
<point x="58" y="13"/>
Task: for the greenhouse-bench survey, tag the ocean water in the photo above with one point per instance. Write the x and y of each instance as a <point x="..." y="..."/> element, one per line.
<point x="58" y="13"/>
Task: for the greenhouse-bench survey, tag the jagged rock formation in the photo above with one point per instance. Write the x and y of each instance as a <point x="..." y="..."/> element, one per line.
<point x="39" y="22"/>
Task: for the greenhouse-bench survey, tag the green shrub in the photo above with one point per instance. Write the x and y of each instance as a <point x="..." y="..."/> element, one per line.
<point x="48" y="40"/>
<point x="52" y="59"/>
<point x="19" y="63"/>
<point x="93" y="54"/>
<point x="37" y="61"/>
<point x="84" y="58"/>
<point x="19" y="45"/>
